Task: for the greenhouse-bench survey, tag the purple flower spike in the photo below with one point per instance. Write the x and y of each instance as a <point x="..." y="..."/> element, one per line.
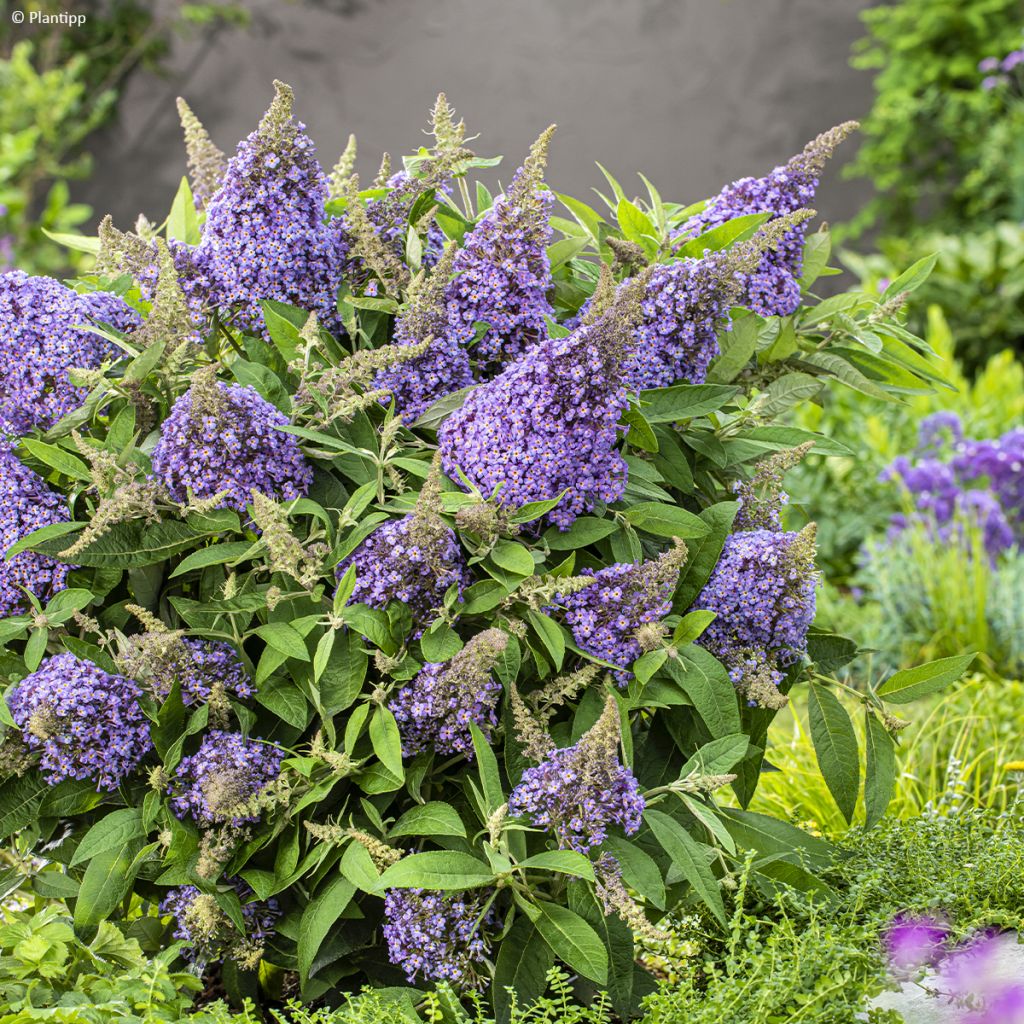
<point x="772" y="289"/>
<point x="265" y="235"/>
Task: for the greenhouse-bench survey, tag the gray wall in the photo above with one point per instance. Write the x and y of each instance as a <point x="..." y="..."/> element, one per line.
<point x="694" y="93"/>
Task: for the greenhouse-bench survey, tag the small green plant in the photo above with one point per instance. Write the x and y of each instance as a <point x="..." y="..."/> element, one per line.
<point x="48" y="973"/>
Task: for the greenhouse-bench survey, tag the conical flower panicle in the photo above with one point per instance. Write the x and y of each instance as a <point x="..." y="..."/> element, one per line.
<point x="437" y="708"/>
<point x="265" y="235"/>
<point x="772" y="289"/>
<point x="417" y="383"/>
<point x="611" y="617"/>
<point x="341" y="172"/>
<point x="43" y="336"/>
<point x="762" y="592"/>
<point x="579" y="791"/>
<point x="502" y="274"/>
<point x="762" y="498"/>
<point x="549" y="422"/>
<point x="206" y="163"/>
<point x="223" y="441"/>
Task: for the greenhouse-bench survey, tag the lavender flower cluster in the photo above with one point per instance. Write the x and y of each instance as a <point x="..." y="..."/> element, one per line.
<point x="608" y="617"/>
<point x="955" y="481"/>
<point x="86" y="723"/>
<point x="224" y="440"/>
<point x="409" y="561"/>
<point x="762" y="592"/>
<point x="44" y="333"/>
<point x="547" y="424"/>
<point x="208" y="932"/>
<point x="502" y="275"/>
<point x="773" y="289"/>
<point x="265" y="235"/>
<point x="224" y="773"/>
<point x="435" y="936"/>
<point x="577" y="792"/>
<point x="26" y="504"/>
<point x="211" y="664"/>
<point x="444" y="699"/>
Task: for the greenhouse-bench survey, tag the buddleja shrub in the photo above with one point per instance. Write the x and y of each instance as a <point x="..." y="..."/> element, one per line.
<point x="396" y="587"/>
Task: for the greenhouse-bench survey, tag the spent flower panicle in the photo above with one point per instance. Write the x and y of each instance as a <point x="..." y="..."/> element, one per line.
<point x="608" y="618"/>
<point x="86" y="723"/>
<point x="762" y="592"/>
<point x="226" y="771"/>
<point x="547" y="426"/>
<point x="342" y="170"/>
<point x="207" y="930"/>
<point x="577" y="792"/>
<point x="437" y="708"/>
<point x="761" y="497"/>
<point x="437" y="937"/>
<point x="502" y="274"/>
<point x="26" y="505"/>
<point x="265" y="235"/>
<point x="206" y="163"/>
<point x="225" y="440"/>
<point x="772" y="289"/>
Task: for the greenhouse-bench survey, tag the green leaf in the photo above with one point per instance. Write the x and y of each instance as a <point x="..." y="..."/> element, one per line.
<point x="913" y="683"/>
<point x="635" y="224"/>
<point x="129" y="545"/>
<point x="585" y="530"/>
<point x="68" y="798"/>
<point x="691" y="626"/>
<point x="880" y="771"/>
<point x="551" y="634"/>
<point x="684" y="401"/>
<point x="432" y="819"/>
<point x="283" y="324"/>
<point x="835" y="746"/>
<point x="282" y="696"/>
<point x="521" y="969"/>
<point x="319" y="917"/>
<point x="215" y="554"/>
<point x="912" y="278"/>
<point x="786" y="391"/>
<point x="666" y="520"/>
<point x="358" y="867"/>
<point x="704" y="679"/>
<point x="769" y="836"/>
<point x="440" y="642"/>
<point x="689" y="857"/>
<point x="510" y="555"/>
<point x="587" y="217"/>
<point x="639" y="870"/>
<point x="437" y="413"/>
<point x="723" y="235"/>
<point x="342" y="678"/>
<point x="704" y="553"/>
<point x="387" y="741"/>
<point x="57" y="458"/>
<point x="284" y="638"/>
<point x="113" y="830"/>
<point x="565" y="862"/>
<point x="107" y="880"/>
<point x="573" y="940"/>
<point x="487" y="766"/>
<point x="738" y="346"/>
<point x="19" y="802"/>
<point x="182" y="221"/>
<point x="718" y="756"/>
<point x="447" y="870"/>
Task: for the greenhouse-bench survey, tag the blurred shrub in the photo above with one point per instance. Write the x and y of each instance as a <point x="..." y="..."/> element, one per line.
<point x="881" y="431"/>
<point x="938" y="147"/>
<point x="58" y="85"/>
<point x="978" y="281"/>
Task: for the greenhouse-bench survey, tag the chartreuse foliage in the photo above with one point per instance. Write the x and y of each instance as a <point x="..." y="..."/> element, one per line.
<point x="303" y="794"/>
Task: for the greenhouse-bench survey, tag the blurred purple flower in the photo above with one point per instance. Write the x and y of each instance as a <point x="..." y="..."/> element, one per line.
<point x="915" y="942"/>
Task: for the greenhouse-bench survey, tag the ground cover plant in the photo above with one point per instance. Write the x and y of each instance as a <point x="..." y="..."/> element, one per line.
<point x="395" y="578"/>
